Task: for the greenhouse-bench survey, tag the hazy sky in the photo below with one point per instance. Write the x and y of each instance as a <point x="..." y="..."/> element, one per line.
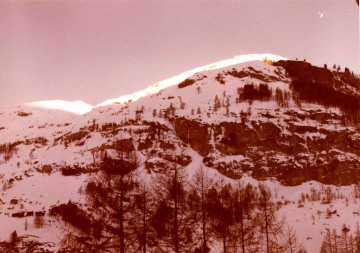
<point x="95" y="50"/>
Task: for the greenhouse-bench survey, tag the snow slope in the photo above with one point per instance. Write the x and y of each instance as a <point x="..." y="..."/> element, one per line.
<point x="38" y="140"/>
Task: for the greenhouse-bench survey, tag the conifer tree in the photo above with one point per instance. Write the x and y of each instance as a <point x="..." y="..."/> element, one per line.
<point x="357" y="238"/>
<point x="327" y="245"/>
<point x="270" y="226"/>
<point x="335" y="240"/>
<point x="144" y="233"/>
<point x="111" y="202"/>
<point x="244" y="227"/>
<point x="220" y="206"/>
<point x="38" y="221"/>
<point x="217" y="103"/>
<point x="345" y="238"/>
<point x="171" y="220"/>
<point x="14" y="238"/>
<point x="200" y="187"/>
<point x="291" y="244"/>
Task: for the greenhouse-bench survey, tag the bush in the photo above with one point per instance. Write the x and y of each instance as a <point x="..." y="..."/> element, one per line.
<point x="186" y="82"/>
<point x="75" y="171"/>
<point x="71" y="213"/>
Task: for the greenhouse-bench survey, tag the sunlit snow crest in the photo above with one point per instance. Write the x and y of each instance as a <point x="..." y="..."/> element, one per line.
<point x="75" y="107"/>
<point x="179" y="78"/>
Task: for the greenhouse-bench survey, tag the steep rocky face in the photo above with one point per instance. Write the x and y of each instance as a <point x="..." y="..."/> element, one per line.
<point x="306" y="152"/>
<point x="193" y="133"/>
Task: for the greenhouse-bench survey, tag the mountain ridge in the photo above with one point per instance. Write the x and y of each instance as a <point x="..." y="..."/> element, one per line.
<point x="242" y="120"/>
<point x="70" y="106"/>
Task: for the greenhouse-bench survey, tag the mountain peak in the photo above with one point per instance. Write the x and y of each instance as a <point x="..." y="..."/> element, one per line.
<point x="181" y="77"/>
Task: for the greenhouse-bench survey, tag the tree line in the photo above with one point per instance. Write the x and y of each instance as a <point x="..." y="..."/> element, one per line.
<point x="320" y="85"/>
<point x="171" y="212"/>
<point x="344" y="242"/>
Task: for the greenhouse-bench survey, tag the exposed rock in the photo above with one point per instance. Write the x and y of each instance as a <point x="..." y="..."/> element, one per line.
<point x="193" y="133"/>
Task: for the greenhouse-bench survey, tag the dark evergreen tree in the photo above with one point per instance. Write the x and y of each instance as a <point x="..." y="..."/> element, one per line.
<point x="14" y="239"/>
<point x="249" y="92"/>
<point x="264" y="92"/>
<point x="217" y="103"/>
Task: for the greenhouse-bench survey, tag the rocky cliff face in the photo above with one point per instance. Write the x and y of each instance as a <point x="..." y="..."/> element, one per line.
<point x="305" y="152"/>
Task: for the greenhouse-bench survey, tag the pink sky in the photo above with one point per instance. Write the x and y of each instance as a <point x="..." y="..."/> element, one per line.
<point x="95" y="50"/>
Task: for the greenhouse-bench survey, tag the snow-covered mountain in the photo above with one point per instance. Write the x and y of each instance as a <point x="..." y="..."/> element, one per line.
<point x="259" y="117"/>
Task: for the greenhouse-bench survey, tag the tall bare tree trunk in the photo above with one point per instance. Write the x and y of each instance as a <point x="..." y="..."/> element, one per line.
<point x="176" y="211"/>
<point x="121" y="218"/>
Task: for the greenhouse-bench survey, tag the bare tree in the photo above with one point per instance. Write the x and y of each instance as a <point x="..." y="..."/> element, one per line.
<point x="144" y="233"/>
<point x="270" y="226"/>
<point x="357" y="238"/>
<point x="344" y="243"/>
<point x="220" y="211"/>
<point x="327" y="245"/>
<point x="111" y="203"/>
<point x="292" y="245"/>
<point x="335" y="241"/>
<point x="244" y="227"/>
<point x="200" y="187"/>
<point x="171" y="220"/>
